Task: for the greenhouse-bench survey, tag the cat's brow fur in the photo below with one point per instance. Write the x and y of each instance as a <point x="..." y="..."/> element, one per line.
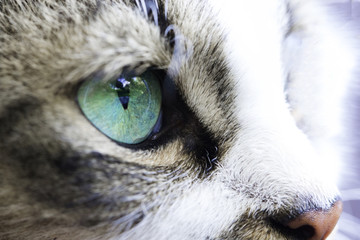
<point x="255" y="97"/>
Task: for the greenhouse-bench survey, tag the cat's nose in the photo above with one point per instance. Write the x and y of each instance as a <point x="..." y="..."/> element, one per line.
<point x="317" y="224"/>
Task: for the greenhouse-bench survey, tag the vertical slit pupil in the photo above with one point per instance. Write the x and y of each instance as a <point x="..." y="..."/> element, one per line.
<point x="123" y="90"/>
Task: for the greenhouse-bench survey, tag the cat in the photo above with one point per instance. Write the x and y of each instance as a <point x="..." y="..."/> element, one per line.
<point x="170" y="119"/>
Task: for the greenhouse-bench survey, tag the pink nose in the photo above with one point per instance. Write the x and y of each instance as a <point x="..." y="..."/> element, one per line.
<point x="317" y="224"/>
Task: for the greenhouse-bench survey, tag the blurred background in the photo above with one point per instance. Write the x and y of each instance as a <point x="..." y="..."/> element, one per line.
<point x="349" y="183"/>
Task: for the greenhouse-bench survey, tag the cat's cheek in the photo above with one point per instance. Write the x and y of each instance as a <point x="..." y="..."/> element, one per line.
<point x="84" y="138"/>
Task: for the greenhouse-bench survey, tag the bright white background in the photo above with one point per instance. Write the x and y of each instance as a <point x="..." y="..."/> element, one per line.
<point x="349" y="225"/>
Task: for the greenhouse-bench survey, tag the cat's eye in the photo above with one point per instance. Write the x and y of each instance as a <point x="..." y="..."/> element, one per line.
<point x="127" y="109"/>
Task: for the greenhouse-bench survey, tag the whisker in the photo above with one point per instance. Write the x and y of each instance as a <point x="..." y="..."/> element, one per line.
<point x="166" y="9"/>
<point x="156" y="4"/>
<point x="144" y="7"/>
<point x="154" y="11"/>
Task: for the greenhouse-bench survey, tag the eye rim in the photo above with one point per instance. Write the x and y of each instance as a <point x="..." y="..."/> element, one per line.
<point x="170" y="118"/>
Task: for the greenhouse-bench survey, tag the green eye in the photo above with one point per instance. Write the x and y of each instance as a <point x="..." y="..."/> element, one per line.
<point x="125" y="109"/>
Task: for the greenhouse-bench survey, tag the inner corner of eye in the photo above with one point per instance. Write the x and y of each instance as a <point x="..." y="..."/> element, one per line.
<point x="125" y="108"/>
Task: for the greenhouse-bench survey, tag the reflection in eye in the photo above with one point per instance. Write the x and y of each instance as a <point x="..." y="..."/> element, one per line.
<point x="126" y="109"/>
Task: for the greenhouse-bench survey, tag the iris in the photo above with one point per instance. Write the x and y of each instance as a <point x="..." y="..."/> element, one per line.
<point x="126" y="108"/>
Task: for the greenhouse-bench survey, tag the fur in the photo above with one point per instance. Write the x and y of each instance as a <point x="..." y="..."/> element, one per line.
<point x="259" y="93"/>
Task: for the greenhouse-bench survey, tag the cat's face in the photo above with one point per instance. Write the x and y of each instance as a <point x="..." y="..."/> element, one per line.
<point x="234" y="145"/>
